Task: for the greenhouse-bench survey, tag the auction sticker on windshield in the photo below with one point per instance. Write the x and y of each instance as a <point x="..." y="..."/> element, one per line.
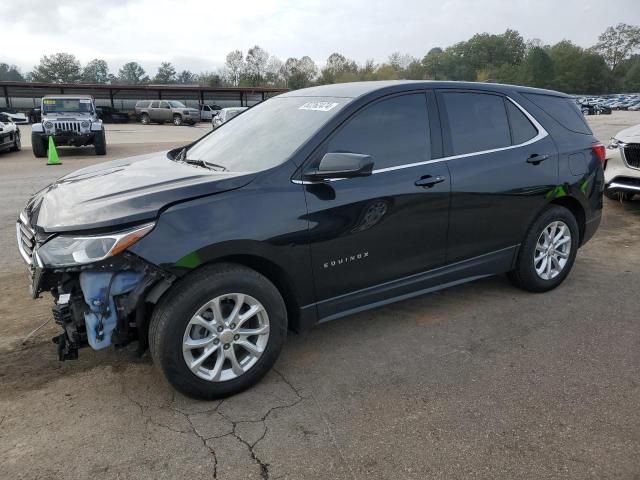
<point x="318" y="106"/>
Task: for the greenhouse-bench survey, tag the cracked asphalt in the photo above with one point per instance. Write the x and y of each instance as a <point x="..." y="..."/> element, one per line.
<point x="478" y="381"/>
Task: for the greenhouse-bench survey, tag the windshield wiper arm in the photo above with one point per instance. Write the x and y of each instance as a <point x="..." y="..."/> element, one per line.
<point x="182" y="157"/>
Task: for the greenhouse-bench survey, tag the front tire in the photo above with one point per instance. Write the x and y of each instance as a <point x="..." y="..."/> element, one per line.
<point x="218" y="331"/>
<point x="100" y="144"/>
<point x="39" y="146"/>
<point x="144" y="119"/>
<point x="177" y="120"/>
<point x="548" y="251"/>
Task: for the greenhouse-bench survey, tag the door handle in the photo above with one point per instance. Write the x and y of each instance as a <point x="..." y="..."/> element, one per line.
<point x="536" y="159"/>
<point x="427" y="181"/>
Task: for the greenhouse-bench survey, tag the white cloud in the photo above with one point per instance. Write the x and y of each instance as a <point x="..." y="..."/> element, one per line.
<point x="197" y="34"/>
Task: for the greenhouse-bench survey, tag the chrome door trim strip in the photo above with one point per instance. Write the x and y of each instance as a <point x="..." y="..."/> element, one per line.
<point x="542" y="133"/>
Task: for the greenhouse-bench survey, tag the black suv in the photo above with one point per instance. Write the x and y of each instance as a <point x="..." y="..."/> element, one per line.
<point x="312" y="205"/>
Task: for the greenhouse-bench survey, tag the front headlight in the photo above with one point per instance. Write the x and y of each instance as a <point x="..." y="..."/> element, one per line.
<point x="613" y="143"/>
<point x="85" y="124"/>
<point x="48" y="125"/>
<point x="64" y="251"/>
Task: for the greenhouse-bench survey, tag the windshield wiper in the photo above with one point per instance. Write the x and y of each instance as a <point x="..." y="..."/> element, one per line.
<point x="182" y="157"/>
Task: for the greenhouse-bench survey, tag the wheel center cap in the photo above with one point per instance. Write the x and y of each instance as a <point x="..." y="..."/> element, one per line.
<point x="226" y="336"/>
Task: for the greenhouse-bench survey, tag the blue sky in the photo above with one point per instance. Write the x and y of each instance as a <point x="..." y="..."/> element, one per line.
<point x="197" y="34"/>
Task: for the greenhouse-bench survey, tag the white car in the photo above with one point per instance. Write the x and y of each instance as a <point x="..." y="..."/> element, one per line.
<point x="207" y="112"/>
<point x="225" y="115"/>
<point x="622" y="170"/>
<point x="18" y="118"/>
<point x="9" y="134"/>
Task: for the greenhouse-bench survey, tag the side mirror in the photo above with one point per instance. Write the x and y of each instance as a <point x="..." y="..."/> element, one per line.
<point x="341" y="165"/>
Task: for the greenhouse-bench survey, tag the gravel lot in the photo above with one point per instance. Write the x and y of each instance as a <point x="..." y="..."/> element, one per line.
<point x="478" y="381"/>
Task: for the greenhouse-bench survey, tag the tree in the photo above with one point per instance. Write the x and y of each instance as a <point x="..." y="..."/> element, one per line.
<point x="299" y="73"/>
<point x="10" y="73"/>
<point x="96" y="71"/>
<point x="132" y="72"/>
<point x="57" y="68"/>
<point x="166" y="73"/>
<point x="537" y="69"/>
<point x="187" y="77"/>
<point x="235" y="66"/>
<point x="338" y="69"/>
<point x="256" y="65"/>
<point x="211" y="79"/>
<point x="618" y="43"/>
<point x="400" y="62"/>
<point x="566" y="59"/>
<point x="432" y="63"/>
<point x="631" y="81"/>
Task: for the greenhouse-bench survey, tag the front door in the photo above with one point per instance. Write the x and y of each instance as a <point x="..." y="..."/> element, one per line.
<point x="370" y="230"/>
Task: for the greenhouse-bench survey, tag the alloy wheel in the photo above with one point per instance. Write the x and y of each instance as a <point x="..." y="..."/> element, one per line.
<point x="226" y="337"/>
<point x="552" y="250"/>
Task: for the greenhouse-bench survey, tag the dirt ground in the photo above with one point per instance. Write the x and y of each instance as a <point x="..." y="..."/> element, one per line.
<point x="478" y="381"/>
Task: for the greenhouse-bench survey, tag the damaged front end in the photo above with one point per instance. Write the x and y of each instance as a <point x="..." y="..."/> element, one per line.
<point x="101" y="291"/>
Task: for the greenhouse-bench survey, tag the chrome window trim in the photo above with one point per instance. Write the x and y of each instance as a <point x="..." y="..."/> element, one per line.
<point x="542" y="133"/>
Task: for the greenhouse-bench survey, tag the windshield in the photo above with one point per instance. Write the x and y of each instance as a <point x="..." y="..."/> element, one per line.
<point x="66" y="105"/>
<point x="175" y="104"/>
<point x="266" y="135"/>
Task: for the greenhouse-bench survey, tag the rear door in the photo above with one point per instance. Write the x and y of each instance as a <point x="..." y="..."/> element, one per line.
<point x="154" y="111"/>
<point x="165" y="112"/>
<point x="503" y="165"/>
<point x="370" y="230"/>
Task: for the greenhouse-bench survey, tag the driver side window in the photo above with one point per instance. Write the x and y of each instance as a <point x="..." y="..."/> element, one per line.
<point x="394" y="131"/>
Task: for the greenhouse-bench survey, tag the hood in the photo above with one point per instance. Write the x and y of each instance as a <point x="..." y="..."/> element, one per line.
<point x="629" y="135"/>
<point x="124" y="191"/>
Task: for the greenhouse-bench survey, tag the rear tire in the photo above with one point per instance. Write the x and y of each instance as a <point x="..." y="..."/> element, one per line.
<point x="172" y="328"/>
<point x="543" y="265"/>
<point x="100" y="144"/>
<point x="17" y="144"/>
<point x="39" y="146"/>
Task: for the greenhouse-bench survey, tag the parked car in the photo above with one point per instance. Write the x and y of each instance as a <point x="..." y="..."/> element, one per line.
<point x="226" y="114"/>
<point x="161" y="111"/>
<point x="635" y="108"/>
<point x="72" y="121"/>
<point x="208" y="111"/>
<point x="622" y="171"/>
<point x="310" y="206"/>
<point x="111" y="115"/>
<point x="9" y="134"/>
<point x="35" y="115"/>
<point x="594" y="109"/>
<point x="16" y="117"/>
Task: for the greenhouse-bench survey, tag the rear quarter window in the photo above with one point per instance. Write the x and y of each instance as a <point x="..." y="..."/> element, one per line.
<point x="563" y="110"/>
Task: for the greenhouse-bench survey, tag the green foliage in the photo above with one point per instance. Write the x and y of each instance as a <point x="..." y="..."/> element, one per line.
<point x="57" y="68"/>
<point x="617" y="43"/>
<point x="96" y="71"/>
<point x="132" y="72"/>
<point x="10" y="73"/>
<point x="166" y="73"/>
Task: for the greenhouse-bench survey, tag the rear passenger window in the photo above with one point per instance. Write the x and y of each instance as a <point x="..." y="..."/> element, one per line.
<point x="522" y="130"/>
<point x="394" y="132"/>
<point x="563" y="110"/>
<point x="477" y="122"/>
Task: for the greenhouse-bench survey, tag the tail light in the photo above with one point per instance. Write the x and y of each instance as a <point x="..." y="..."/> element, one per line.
<point x="600" y="151"/>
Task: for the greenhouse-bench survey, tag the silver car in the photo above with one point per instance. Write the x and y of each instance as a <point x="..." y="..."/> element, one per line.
<point x="161" y="111"/>
<point x="226" y="114"/>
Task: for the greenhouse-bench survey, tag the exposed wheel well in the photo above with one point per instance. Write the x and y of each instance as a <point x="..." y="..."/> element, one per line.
<point x="574" y="207"/>
<point x="277" y="276"/>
